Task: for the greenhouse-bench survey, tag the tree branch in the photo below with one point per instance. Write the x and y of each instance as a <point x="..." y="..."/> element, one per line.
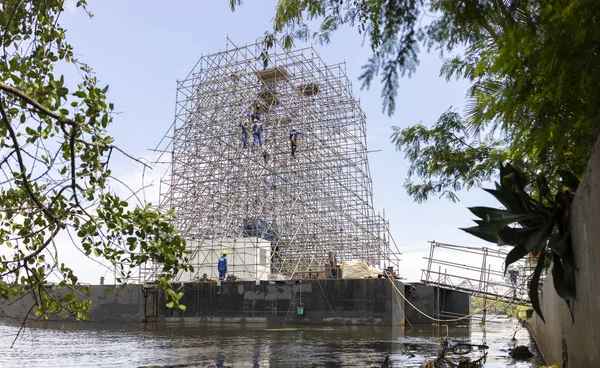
<point x="31" y="255"/>
<point x="41" y="109"/>
<point x="26" y="183"/>
<point x="93" y="144"/>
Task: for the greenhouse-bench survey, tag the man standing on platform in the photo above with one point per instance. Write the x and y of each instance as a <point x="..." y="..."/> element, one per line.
<point x="245" y="132"/>
<point x="265" y="57"/>
<point x="294" y="140"/>
<point x="257" y="129"/>
<point x="222" y="266"/>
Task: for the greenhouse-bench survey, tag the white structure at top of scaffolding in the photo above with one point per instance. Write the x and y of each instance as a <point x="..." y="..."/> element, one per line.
<point x="306" y="206"/>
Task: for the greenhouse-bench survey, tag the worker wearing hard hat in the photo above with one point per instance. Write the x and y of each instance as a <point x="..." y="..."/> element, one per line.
<point x="294" y="140"/>
<point x="222" y="266"/>
<point x="245" y="132"/>
<point x="264" y="55"/>
<point x="257" y="129"/>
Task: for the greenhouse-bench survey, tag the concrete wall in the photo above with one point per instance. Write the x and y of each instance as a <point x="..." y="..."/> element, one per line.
<point x="436" y="302"/>
<point x="562" y="342"/>
<point x="424" y="297"/>
<point x="455" y="304"/>
<point x="369" y="302"/>
<point x="122" y="304"/>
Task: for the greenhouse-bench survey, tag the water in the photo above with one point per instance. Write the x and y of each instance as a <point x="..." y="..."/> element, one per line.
<point x="252" y="345"/>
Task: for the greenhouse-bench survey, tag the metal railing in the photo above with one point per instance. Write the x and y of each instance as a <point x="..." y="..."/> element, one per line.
<point x="481" y="273"/>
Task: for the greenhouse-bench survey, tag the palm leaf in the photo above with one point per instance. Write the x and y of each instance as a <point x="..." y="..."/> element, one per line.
<point x="534" y="295"/>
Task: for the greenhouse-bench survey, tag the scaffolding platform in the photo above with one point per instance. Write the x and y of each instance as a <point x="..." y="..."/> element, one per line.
<point x="273" y="75"/>
<point x="309" y="89"/>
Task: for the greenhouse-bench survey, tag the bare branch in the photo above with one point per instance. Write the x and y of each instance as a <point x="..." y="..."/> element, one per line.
<point x="95" y="144"/>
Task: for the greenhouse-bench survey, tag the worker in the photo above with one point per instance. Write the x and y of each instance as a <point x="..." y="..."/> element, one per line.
<point x="294" y="140"/>
<point x="222" y="265"/>
<point x="245" y="132"/>
<point x="265" y="57"/>
<point x="265" y="155"/>
<point x="256" y="113"/>
<point x="513" y="273"/>
<point x="332" y="260"/>
<point x="257" y="129"/>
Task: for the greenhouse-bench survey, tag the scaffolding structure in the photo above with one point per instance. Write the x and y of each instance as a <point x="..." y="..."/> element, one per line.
<point x="486" y="278"/>
<point x="319" y="201"/>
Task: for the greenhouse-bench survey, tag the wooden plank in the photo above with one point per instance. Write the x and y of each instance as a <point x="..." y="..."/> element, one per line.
<point x="276" y="74"/>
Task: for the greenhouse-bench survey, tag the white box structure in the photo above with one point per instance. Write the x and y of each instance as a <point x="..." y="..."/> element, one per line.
<point x="248" y="258"/>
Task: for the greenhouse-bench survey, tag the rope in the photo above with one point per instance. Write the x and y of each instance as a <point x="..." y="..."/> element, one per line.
<point x="402" y="311"/>
<point x="325" y="296"/>
<point x="291" y="303"/>
<point x="455" y="319"/>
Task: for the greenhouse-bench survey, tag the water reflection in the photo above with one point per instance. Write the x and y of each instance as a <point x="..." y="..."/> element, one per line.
<point x="251" y="345"/>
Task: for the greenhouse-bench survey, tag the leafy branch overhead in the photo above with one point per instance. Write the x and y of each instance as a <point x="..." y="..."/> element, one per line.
<point x="55" y="152"/>
<point x="532" y="226"/>
<point x="446" y="157"/>
<point x="532" y="67"/>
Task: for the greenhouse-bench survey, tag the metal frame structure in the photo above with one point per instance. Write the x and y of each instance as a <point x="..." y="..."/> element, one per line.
<point x="485" y="280"/>
<point x="319" y="201"/>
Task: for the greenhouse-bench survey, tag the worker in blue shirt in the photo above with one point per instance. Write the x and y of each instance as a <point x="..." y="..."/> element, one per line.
<point x="222" y="265"/>
<point x="265" y="57"/>
<point x="294" y="140"/>
<point x="256" y="113"/>
<point x="257" y="132"/>
<point x="245" y="132"/>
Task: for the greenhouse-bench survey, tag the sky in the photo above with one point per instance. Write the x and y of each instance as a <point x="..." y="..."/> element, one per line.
<point x="141" y="48"/>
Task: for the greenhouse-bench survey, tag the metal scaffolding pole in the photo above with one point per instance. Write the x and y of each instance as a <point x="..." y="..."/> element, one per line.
<point x="317" y="201"/>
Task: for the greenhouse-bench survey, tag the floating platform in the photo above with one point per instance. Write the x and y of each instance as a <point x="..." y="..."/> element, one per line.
<point x="329" y="301"/>
<point x="317" y="301"/>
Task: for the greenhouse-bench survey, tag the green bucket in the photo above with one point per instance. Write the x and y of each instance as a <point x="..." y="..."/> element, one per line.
<point x="300" y="310"/>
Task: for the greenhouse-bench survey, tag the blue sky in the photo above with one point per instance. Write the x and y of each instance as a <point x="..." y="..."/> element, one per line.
<point x="140" y="48"/>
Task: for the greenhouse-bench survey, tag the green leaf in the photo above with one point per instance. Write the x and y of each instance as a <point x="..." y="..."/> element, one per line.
<point x="537" y="241"/>
<point x="169" y="305"/>
<point x="534" y="295"/>
<point x="518" y="235"/>
<point x="558" y="244"/>
<point x="484" y="212"/>
<point x="510" y="200"/>
<point x="564" y="286"/>
<point x="502" y="220"/>
<point x="514" y="255"/>
<point x="485" y="233"/>
<point x="569" y="180"/>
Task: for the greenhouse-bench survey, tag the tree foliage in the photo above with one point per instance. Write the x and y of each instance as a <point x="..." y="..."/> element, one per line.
<point x="467" y="162"/>
<point x="55" y="152"/>
<point x="532" y="67"/>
